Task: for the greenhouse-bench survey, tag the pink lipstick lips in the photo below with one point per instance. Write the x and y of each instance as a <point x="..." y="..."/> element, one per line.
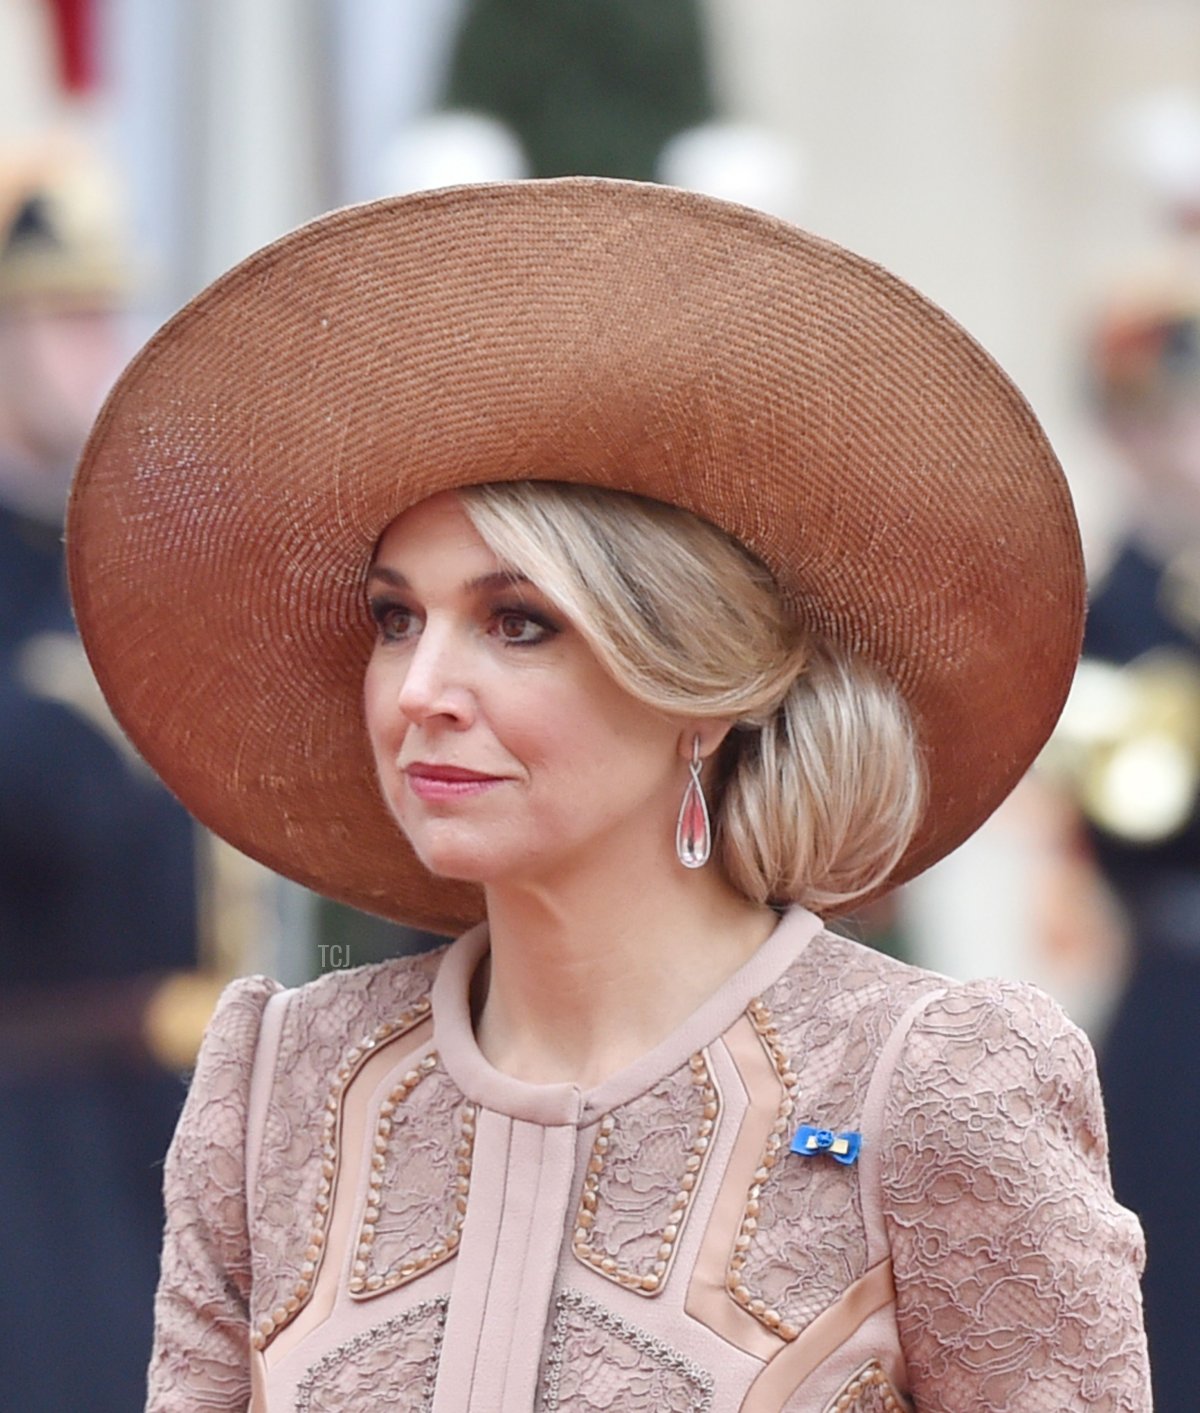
<point x="435" y="783"/>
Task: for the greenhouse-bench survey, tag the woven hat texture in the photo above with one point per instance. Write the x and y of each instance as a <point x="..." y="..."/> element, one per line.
<point x="637" y="337"/>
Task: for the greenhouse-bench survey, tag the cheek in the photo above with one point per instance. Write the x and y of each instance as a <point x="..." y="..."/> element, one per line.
<point x="593" y="760"/>
<point x="384" y="723"/>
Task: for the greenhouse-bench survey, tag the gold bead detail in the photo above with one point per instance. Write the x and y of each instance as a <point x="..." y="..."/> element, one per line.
<point x="870" y="1376"/>
<point x="652" y="1281"/>
<point x="768" y="1033"/>
<point x="366" y="1281"/>
<point x="351" y="1062"/>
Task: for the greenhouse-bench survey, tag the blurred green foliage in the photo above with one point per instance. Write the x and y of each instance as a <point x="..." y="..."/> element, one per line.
<point x="589" y="86"/>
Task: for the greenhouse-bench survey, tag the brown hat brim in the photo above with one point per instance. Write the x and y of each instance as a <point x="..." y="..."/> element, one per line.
<point x="630" y="336"/>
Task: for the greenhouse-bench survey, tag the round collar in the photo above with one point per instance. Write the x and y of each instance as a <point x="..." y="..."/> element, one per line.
<point x="565" y="1103"/>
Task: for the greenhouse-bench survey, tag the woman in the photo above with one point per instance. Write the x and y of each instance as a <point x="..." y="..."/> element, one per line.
<point x="805" y="613"/>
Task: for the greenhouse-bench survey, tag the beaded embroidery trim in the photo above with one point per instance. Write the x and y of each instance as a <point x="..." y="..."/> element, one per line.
<point x="777" y="1139"/>
<point x="365" y="1281"/>
<point x="330" y="1362"/>
<point x="870" y="1376"/>
<point x="570" y="1301"/>
<point x="352" y="1062"/>
<point x="651" y="1280"/>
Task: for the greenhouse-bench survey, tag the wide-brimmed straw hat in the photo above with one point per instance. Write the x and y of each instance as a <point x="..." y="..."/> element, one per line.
<point x="629" y="336"/>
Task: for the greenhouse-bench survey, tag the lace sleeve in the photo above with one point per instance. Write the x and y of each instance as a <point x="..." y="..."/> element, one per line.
<point x="200" y="1362"/>
<point x="1016" y="1270"/>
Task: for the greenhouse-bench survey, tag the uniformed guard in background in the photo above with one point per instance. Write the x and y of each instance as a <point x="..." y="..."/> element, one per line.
<point x="97" y="863"/>
<point x="1129" y="744"/>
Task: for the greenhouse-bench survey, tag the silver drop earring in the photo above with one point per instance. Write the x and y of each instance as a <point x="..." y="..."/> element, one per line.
<point x="693" y="834"/>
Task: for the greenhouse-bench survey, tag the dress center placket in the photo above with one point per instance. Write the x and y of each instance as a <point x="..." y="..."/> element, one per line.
<point x="522" y="1180"/>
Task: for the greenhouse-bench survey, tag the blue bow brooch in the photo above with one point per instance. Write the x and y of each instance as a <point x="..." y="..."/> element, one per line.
<point x="841" y="1147"/>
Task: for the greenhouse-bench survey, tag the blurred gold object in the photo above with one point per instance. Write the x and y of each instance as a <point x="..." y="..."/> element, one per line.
<point x="1128" y="744"/>
<point x="175" y="1017"/>
<point x="237" y="907"/>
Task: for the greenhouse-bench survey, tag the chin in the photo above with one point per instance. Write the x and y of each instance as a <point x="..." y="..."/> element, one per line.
<point x="460" y="860"/>
<point x="469" y="860"/>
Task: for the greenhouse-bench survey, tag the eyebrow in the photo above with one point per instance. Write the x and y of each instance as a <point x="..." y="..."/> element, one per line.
<point x="498" y="579"/>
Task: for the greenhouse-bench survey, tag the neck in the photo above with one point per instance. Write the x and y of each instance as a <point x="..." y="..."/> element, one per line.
<point x="589" y="974"/>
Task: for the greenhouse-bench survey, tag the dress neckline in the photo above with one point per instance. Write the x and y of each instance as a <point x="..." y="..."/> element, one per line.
<point x="556" y="1104"/>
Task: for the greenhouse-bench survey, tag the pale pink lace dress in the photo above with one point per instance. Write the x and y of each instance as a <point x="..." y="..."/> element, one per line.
<point x="364" y="1215"/>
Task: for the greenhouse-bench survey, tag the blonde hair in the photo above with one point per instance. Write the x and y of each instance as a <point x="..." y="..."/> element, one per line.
<point x="819" y="786"/>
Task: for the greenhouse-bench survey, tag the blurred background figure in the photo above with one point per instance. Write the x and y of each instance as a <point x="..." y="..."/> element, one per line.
<point x="97" y="890"/>
<point x="1128" y="747"/>
<point x="1131" y="742"/>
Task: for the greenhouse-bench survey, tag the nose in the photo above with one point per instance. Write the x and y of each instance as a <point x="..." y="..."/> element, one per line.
<point x="437" y="682"/>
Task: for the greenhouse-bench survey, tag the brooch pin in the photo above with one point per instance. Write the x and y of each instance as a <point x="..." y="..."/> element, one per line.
<point x="841" y="1147"/>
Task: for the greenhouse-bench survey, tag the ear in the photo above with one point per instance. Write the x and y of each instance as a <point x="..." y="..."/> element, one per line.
<point x="711" y="730"/>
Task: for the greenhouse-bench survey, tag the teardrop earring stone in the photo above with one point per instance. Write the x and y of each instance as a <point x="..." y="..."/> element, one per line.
<point x="693" y="840"/>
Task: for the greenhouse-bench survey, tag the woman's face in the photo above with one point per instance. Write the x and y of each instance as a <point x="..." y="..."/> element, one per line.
<point x="504" y="750"/>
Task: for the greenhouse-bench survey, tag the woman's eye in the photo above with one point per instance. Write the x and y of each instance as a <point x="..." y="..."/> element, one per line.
<point x="393" y="620"/>
<point x="521" y="629"/>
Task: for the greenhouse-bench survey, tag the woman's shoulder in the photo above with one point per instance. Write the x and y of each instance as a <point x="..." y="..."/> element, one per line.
<point x="355" y="1008"/>
<point x="887" y="1022"/>
<point x="324" y="1018"/>
<point x="855" y="977"/>
<point x="839" y="988"/>
<point x="395" y="981"/>
<point x="945" y="1067"/>
<point x="1000" y="1048"/>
